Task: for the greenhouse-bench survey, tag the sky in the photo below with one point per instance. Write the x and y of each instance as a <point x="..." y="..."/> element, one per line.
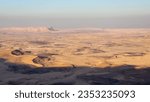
<point x="75" y="13"/>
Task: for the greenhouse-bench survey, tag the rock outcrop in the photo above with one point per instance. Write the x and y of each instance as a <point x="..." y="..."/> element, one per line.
<point x="20" y="52"/>
<point x="42" y="59"/>
<point x="17" y="52"/>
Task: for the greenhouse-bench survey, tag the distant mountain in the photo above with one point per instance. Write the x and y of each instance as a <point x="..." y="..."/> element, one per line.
<point x="51" y="29"/>
<point x="27" y="29"/>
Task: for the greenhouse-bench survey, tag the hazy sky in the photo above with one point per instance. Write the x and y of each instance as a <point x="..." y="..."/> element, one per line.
<point x="75" y="13"/>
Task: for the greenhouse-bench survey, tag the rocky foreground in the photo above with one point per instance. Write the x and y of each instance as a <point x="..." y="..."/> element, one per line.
<point x="18" y="74"/>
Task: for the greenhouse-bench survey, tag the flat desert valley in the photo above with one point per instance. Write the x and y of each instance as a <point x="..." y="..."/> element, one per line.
<point x="38" y="55"/>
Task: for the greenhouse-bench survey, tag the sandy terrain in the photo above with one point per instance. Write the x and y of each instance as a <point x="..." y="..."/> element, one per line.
<point x="79" y="56"/>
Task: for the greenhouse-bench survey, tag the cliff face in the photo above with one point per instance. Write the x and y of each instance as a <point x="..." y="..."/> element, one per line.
<point x="25" y="29"/>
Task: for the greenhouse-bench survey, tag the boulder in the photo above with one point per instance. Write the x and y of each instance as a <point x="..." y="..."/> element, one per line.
<point x="17" y="52"/>
<point x="41" y="59"/>
<point x="20" y="52"/>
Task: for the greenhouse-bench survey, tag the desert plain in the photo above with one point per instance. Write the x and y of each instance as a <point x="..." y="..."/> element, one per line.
<point x="40" y="55"/>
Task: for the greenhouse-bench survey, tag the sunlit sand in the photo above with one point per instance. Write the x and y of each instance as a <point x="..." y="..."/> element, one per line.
<point x="74" y="56"/>
<point x="77" y="47"/>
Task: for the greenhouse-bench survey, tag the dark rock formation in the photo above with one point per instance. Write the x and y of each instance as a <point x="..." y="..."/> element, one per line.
<point x="41" y="59"/>
<point x="17" y="52"/>
<point x="134" y="54"/>
<point x="51" y="29"/>
<point x="39" y="42"/>
<point x="20" y="52"/>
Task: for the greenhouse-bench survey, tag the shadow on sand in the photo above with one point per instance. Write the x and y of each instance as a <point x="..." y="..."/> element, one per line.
<point x="20" y="74"/>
